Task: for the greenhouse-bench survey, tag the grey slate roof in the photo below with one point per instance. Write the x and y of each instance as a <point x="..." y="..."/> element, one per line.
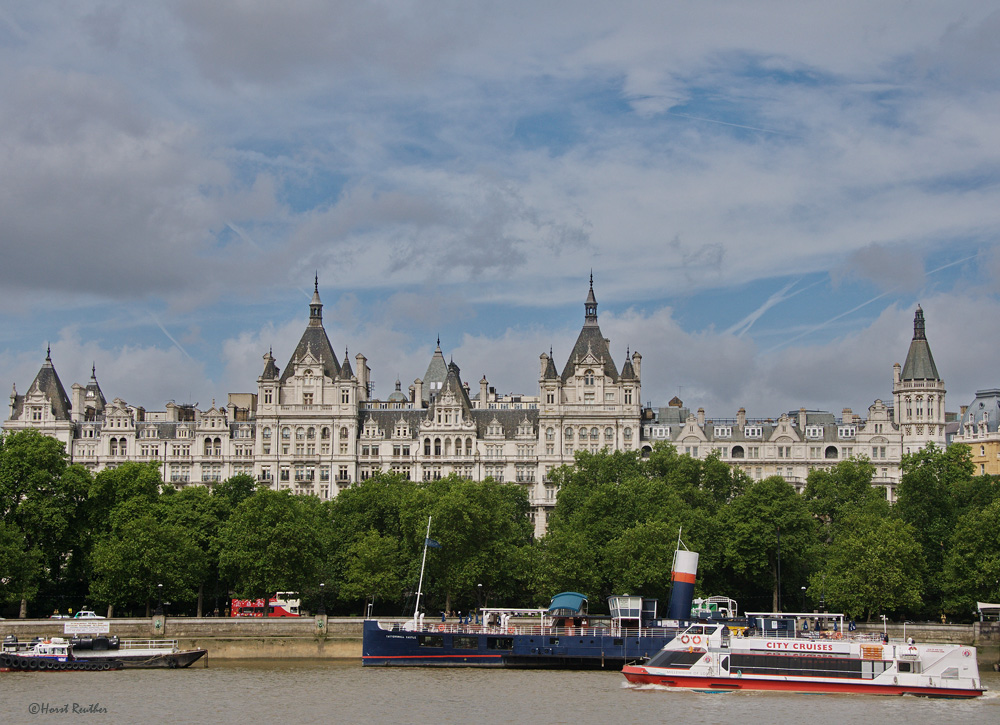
<point x="590" y="340"/>
<point x="315" y="341"/>
<point x="345" y="370"/>
<point x="270" y="369"/>
<point x="987" y="402"/>
<point x="437" y="372"/>
<point x="48" y="383"/>
<point x="919" y="363"/>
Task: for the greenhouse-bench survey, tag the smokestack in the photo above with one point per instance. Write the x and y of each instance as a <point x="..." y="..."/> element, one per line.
<point x="683" y="575"/>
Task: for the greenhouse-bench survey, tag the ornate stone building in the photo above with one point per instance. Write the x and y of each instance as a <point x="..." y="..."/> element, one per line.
<point x="979" y="429"/>
<point x="314" y="427"/>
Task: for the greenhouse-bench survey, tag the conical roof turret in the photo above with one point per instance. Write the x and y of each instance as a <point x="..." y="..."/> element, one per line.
<point x="919" y="363"/>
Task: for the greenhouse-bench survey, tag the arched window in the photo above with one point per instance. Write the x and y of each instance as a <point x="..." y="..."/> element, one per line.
<point x="343" y="433"/>
<point x="311" y="434"/>
<point x="468" y="446"/>
<point x="266" y="433"/>
<point x="569" y="434"/>
<point x="208" y="446"/>
<point x="113" y="446"/>
<point x="628" y="434"/>
<point x="325" y="433"/>
<point x="300" y="434"/>
<point x="583" y="434"/>
<point x="550" y="434"/>
<point x="427" y="446"/>
<point x="286" y="432"/>
<point x="437" y="446"/>
<point x="594" y="434"/>
<point x="831" y="452"/>
<point x="588" y="377"/>
<point x="737" y="452"/>
<point x="609" y="433"/>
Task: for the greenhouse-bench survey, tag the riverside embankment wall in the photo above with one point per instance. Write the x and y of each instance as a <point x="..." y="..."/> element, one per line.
<point x="340" y="637"/>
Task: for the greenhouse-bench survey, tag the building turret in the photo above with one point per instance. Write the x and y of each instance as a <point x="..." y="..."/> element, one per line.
<point x="919" y="393"/>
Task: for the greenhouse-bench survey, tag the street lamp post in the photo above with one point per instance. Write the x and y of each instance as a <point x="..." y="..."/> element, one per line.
<point x="159" y="600"/>
<point x="803" y="599"/>
<point x="322" y="602"/>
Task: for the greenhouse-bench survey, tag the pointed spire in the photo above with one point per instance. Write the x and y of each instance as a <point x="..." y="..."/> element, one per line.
<point x="919" y="364"/>
<point x="590" y="306"/>
<point x="315" y="305"/>
<point x="346" y="371"/>
<point x="918" y="325"/>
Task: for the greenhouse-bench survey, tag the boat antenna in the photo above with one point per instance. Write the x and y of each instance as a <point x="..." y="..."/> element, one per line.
<point x="420" y="586"/>
<point x="677" y="548"/>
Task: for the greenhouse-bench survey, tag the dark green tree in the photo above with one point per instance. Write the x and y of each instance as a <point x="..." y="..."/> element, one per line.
<point x="769" y="519"/>
<point x="39" y="497"/>
<point x="873" y="568"/>
<point x="972" y="565"/>
<point x="928" y="489"/>
<point x="272" y="542"/>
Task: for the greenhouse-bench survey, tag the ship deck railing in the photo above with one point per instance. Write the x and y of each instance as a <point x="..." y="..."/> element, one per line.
<point x="530" y="629"/>
<point x="164" y="644"/>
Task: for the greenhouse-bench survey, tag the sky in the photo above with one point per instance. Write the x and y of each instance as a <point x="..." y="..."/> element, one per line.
<point x="764" y="192"/>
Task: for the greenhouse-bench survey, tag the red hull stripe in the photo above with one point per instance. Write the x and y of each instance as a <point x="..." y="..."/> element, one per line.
<point x="640" y="676"/>
<point x="424" y="657"/>
<point x="682" y="576"/>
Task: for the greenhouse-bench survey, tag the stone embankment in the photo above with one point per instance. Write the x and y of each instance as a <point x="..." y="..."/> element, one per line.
<point x="324" y="637"/>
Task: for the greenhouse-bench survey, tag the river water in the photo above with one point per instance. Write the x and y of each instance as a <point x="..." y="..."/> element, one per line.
<point x="292" y="692"/>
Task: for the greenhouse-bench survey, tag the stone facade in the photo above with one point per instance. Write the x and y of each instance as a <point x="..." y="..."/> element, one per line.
<point x="314" y="427"/>
<point x="979" y="430"/>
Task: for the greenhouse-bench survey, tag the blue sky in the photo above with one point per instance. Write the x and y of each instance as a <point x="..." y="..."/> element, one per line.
<point x="764" y="191"/>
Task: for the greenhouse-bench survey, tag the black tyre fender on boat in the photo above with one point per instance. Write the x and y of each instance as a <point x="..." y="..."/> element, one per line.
<point x="32" y="664"/>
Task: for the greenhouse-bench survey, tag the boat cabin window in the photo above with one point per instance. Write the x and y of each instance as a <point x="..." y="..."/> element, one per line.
<point x="465" y="642"/>
<point x="674" y="658"/>
<point x="913" y="667"/>
<point x="430" y="640"/>
<point x="499" y="643"/>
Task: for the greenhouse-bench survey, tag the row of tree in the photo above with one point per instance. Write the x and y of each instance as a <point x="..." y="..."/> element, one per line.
<point x="122" y="539"/>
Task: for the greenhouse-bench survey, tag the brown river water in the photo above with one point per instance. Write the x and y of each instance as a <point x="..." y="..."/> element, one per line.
<point x="309" y="691"/>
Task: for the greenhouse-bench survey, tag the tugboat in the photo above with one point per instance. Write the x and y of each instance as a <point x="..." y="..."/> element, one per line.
<point x="49" y="655"/>
<point x="101" y="650"/>
<point x="777" y="656"/>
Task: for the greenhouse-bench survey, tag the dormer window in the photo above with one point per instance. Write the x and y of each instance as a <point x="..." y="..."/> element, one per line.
<point x="588" y="377"/>
<point x="753" y="431"/>
<point x="814" y="431"/>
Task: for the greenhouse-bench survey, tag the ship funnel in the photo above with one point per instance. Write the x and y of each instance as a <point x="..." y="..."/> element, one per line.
<point x="682" y="594"/>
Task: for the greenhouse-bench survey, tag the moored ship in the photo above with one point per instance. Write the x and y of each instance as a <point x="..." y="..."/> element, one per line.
<point x="101" y="650"/>
<point x="825" y="659"/>
<point x="561" y="636"/>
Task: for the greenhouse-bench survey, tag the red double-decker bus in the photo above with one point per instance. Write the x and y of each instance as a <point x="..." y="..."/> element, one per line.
<point x="282" y="604"/>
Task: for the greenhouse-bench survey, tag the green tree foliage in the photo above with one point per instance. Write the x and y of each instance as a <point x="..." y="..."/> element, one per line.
<point x="40" y="497"/>
<point x="143" y="552"/>
<point x="874" y="567"/>
<point x="375" y="568"/>
<point x="272" y="542"/>
<point x="484" y="532"/>
<point x="768" y="518"/>
<point x="972" y="565"/>
<point x="927" y="499"/>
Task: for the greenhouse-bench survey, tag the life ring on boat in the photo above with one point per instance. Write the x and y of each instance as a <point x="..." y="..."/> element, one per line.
<point x="837" y="635"/>
<point x="708" y="659"/>
<point x="440" y="628"/>
<point x="696" y="640"/>
<point x="511" y="630"/>
<point x="685" y="639"/>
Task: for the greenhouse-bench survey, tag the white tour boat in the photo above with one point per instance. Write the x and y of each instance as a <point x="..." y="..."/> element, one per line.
<point x="773" y="654"/>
